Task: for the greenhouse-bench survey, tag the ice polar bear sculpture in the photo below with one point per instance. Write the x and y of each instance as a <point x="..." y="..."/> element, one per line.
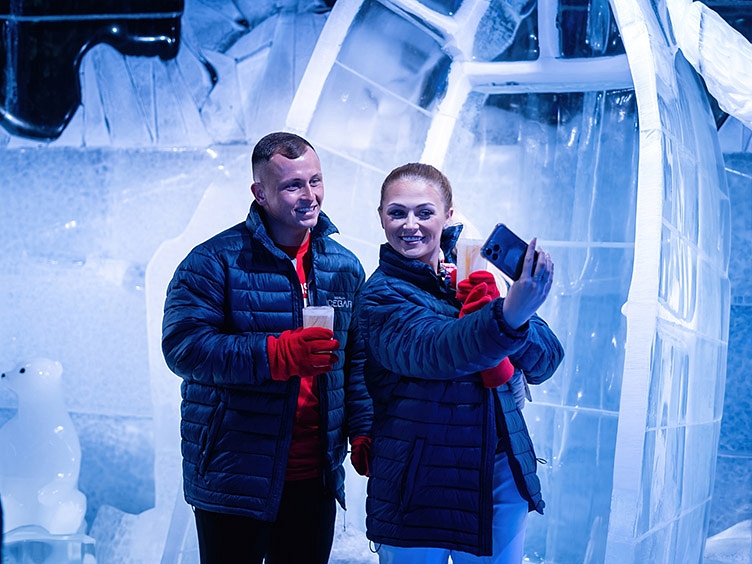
<point x="40" y="456"/>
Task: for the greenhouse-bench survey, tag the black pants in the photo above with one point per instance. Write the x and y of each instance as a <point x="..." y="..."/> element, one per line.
<point x="302" y="534"/>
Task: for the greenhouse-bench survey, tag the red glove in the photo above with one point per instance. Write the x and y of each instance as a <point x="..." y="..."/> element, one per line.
<point x="360" y="455"/>
<point x="472" y="282"/>
<point x="475" y="291"/>
<point x="476" y="299"/>
<point x="498" y="375"/>
<point x="301" y="352"/>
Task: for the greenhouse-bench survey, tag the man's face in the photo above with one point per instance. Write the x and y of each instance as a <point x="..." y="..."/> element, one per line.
<point x="291" y="192"/>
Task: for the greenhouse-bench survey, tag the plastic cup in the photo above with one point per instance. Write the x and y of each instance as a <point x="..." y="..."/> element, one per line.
<point x="469" y="257"/>
<point x="318" y="316"/>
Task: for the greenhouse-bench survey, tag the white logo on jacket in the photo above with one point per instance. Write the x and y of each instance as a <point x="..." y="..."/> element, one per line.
<point x="339" y="302"/>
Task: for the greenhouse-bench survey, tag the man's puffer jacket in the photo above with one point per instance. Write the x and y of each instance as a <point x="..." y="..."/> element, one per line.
<point x="225" y="298"/>
<point x="436" y="429"/>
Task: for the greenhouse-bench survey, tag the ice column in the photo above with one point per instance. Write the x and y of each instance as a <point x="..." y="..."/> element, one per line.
<point x="677" y="311"/>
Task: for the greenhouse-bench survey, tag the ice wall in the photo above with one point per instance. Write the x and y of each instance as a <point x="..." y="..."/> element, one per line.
<point x="554" y="134"/>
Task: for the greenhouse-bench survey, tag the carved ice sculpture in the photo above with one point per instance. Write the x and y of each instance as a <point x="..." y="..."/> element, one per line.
<point x="40" y="456"/>
<point x="718" y="52"/>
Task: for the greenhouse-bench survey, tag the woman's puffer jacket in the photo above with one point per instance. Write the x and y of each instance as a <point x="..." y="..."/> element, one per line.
<point x="435" y="426"/>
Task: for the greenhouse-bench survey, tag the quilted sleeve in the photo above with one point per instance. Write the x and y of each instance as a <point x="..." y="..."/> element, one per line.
<point x="540" y="352"/>
<point x="408" y="333"/>
<point x="194" y="342"/>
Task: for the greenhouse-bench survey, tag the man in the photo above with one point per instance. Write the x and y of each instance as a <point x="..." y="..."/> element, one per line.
<point x="267" y="405"/>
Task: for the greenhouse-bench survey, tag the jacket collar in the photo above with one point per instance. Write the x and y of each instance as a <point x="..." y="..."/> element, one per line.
<point x="416" y="272"/>
<point x="449" y="238"/>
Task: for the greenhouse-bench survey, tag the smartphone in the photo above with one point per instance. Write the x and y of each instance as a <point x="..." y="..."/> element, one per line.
<point x="506" y="251"/>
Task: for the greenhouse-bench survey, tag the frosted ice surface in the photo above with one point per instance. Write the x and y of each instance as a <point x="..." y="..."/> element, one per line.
<point x="498" y="28"/>
<point x="91" y="221"/>
<point x="718" y="52"/>
<point x="380" y="102"/>
<point x="732" y="546"/>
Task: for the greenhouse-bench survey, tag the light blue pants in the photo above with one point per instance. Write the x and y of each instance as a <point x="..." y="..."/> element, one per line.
<point x="509" y="520"/>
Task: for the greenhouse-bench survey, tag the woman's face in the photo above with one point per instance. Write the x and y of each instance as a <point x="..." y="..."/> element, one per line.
<point x="413" y="215"/>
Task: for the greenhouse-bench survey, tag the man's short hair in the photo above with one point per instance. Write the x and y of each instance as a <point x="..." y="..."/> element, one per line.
<point x="288" y="145"/>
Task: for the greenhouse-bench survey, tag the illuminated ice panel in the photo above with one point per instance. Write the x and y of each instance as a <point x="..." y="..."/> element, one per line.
<point x="591" y="326"/>
<point x="699" y="465"/>
<point x="663" y="457"/>
<point x="705" y="394"/>
<point x="577" y="446"/>
<point x="667" y="398"/>
<point x="378" y="108"/>
<point x="402" y="58"/>
<point x="349" y="119"/>
<point x="560" y="166"/>
<point x="677" y="466"/>
<point x="678" y="275"/>
<point x="680" y="189"/>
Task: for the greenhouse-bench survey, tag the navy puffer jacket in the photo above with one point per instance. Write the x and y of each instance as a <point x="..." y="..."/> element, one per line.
<point x="436" y="427"/>
<point x="225" y="298"/>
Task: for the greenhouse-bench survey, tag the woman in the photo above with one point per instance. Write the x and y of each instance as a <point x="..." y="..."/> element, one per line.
<point x="453" y="467"/>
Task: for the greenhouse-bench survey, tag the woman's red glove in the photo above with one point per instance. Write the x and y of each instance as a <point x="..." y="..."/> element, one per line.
<point x="360" y="455"/>
<point x="475" y="291"/>
<point x="479" y="278"/>
<point x="301" y="352"/>
<point x="498" y="375"/>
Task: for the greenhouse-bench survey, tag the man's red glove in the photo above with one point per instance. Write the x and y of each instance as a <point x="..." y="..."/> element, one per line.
<point x="301" y="352"/>
<point x="360" y="455"/>
<point x="475" y="291"/>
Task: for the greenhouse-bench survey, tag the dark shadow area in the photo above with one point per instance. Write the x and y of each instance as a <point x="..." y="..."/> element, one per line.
<point x="43" y="43"/>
